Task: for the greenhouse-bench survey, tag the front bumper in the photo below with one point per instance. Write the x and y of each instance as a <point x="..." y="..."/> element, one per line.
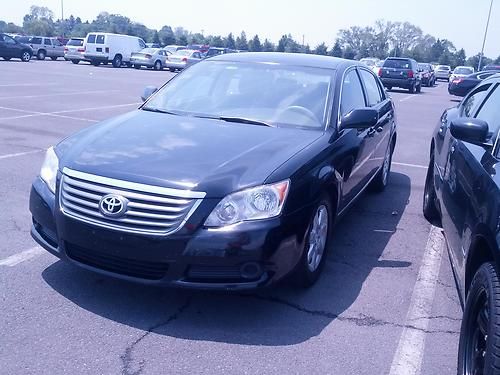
<point x="175" y="65"/>
<point x="74" y="56"/>
<point x="245" y="256"/>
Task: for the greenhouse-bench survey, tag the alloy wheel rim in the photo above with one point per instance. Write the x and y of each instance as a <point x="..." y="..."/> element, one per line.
<point x="26" y="56"/>
<point x="478" y="333"/>
<point x="317" y="238"/>
<point x="387" y="164"/>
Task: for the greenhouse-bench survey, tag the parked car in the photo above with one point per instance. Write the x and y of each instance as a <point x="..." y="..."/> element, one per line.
<point x="172" y="48"/>
<point x="462" y="195"/>
<point x="369" y="61"/>
<point x="153" y="45"/>
<point x="214" y="51"/>
<point x="233" y="184"/>
<point x="428" y="76"/>
<point x="461" y="72"/>
<point x="46" y="47"/>
<point x="377" y="67"/>
<point x="462" y="86"/>
<point x="203" y="48"/>
<point x="12" y="49"/>
<point x="492" y="67"/>
<point x="442" y="72"/>
<point x="25" y="39"/>
<point x="115" y="48"/>
<point x="155" y="58"/>
<point x="401" y="72"/>
<point x="74" y="50"/>
<point x="183" y="59"/>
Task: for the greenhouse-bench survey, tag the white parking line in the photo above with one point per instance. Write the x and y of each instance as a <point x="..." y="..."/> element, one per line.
<point x="58" y="94"/>
<point x="23" y="256"/>
<point x="410" y="165"/>
<point x="410" y="351"/>
<point x="29" y="84"/>
<point x="408" y="97"/>
<point x="19" y="154"/>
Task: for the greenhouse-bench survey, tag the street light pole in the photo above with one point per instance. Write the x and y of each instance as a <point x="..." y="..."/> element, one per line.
<point x="62" y="10"/>
<point x="484" y="39"/>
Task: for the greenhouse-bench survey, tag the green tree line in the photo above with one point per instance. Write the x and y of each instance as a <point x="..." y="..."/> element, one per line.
<point x="380" y="40"/>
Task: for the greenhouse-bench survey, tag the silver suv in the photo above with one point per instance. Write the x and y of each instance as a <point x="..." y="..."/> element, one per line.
<point x="44" y="46"/>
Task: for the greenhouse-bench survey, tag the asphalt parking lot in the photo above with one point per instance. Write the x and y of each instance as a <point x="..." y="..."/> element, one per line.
<point x="385" y="304"/>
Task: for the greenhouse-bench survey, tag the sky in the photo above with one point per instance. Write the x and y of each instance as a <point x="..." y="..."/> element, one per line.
<point x="461" y="21"/>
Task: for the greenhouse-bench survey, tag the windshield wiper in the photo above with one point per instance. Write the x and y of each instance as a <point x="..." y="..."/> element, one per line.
<point x="157" y="110"/>
<point x="241" y="120"/>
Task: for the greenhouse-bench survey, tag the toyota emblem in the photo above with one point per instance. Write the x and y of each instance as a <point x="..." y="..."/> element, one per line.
<point x="112" y="205"/>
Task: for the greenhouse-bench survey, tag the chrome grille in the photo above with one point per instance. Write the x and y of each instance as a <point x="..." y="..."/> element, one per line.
<point x="150" y="209"/>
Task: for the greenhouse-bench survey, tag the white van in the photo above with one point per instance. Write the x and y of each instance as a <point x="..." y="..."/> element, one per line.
<point x="115" y="48"/>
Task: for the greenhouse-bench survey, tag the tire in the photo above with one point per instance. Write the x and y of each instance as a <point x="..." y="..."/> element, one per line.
<point x="172" y="70"/>
<point x="478" y="352"/>
<point x="381" y="180"/>
<point x="26" y="56"/>
<point x="412" y="89"/>
<point x="7" y="58"/>
<point x="137" y="66"/>
<point x="313" y="258"/>
<point x="95" y="63"/>
<point x="117" y="61"/>
<point x="389" y="88"/>
<point x="158" y="65"/>
<point x="53" y="58"/>
<point x="419" y="89"/>
<point x="429" y="204"/>
<point x="75" y="61"/>
<point x="40" y="55"/>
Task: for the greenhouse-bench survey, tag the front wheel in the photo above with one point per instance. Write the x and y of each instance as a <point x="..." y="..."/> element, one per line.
<point x="478" y="352"/>
<point x="7" y="58"/>
<point x="75" y="61"/>
<point x="117" y="61"/>
<point x="53" y="58"/>
<point x="95" y="63"/>
<point x="158" y="65"/>
<point x="316" y="244"/>
<point x="412" y="89"/>
<point x="431" y="212"/>
<point x="137" y="66"/>
<point x="419" y="88"/>
<point x="26" y="56"/>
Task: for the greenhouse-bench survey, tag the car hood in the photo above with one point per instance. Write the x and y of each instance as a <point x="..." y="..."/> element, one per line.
<point x="206" y="155"/>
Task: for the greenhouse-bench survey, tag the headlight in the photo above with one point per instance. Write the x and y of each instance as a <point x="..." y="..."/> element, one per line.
<point x="261" y="202"/>
<point x="50" y="165"/>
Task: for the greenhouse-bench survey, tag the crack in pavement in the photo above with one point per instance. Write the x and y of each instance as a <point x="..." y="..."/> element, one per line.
<point x="362" y="320"/>
<point x="126" y="357"/>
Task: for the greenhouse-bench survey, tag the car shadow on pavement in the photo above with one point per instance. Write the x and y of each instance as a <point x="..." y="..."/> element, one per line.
<point x="282" y="315"/>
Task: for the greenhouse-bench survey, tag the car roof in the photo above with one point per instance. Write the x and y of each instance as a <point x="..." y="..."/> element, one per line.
<point x="283" y="58"/>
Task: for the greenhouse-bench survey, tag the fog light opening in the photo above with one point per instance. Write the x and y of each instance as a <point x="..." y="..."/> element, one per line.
<point x="251" y="270"/>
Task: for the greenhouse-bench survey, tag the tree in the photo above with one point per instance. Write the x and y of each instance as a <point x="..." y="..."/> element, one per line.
<point x="254" y="44"/>
<point x="230" y="43"/>
<point x="336" y="50"/>
<point x="156" y="37"/>
<point x="181" y="36"/>
<point x="497" y="61"/>
<point x="321" y="49"/>
<point x="166" y="35"/>
<point x="267" y="46"/>
<point x="460" y="57"/>
<point x="349" y="53"/>
<point x="241" y="42"/>
<point x="474" y="61"/>
<point x="282" y="44"/>
<point x="39" y="21"/>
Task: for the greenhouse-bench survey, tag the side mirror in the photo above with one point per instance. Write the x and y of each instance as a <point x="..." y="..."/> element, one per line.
<point x="148" y="91"/>
<point x="471" y="130"/>
<point x="362" y="118"/>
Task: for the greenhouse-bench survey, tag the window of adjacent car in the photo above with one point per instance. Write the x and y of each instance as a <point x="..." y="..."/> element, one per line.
<point x="9" y="40"/>
<point x="373" y="93"/>
<point x="473" y="101"/>
<point x="91" y="38"/>
<point x="36" y="40"/>
<point x="490" y="110"/>
<point x="99" y="39"/>
<point x="141" y="43"/>
<point x="47" y="42"/>
<point x="352" y="94"/>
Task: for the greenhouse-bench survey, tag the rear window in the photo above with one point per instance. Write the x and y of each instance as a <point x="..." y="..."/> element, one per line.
<point x="443" y="67"/>
<point x="99" y="39"/>
<point x="463" y="71"/>
<point x="36" y="40"/>
<point x="75" y="42"/>
<point x="91" y="38"/>
<point x="397" y="64"/>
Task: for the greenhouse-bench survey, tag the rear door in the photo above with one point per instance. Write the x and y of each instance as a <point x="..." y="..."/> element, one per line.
<point x="379" y="137"/>
<point x="49" y="47"/>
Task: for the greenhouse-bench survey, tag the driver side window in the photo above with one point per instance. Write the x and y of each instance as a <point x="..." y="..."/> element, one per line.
<point x="352" y="96"/>
<point x="470" y="105"/>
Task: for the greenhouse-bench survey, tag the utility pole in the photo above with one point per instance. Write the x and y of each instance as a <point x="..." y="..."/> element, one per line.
<point x="62" y="17"/>
<point x="484" y="39"/>
<point x="303" y="40"/>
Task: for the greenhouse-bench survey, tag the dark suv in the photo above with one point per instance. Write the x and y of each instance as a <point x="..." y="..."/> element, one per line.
<point x="12" y="49"/>
<point x="401" y="72"/>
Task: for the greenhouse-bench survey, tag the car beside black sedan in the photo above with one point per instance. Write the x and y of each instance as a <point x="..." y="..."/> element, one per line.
<point x="234" y="184"/>
<point x="461" y="86"/>
<point x="462" y="195"/>
<point x="10" y="48"/>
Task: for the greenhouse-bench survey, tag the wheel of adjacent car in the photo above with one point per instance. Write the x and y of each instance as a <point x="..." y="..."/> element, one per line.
<point x="381" y="180"/>
<point x="478" y="351"/>
<point x="117" y="61"/>
<point x="431" y="212"/>
<point x="53" y="58"/>
<point x="418" y="88"/>
<point x="137" y="66"/>
<point x="316" y="245"/>
<point x="389" y="88"/>
<point x="6" y="58"/>
<point x="172" y="70"/>
<point x="40" y="55"/>
<point x="26" y="56"/>
<point x="75" y="61"/>
<point x="95" y="63"/>
<point x="412" y="89"/>
<point x="158" y="65"/>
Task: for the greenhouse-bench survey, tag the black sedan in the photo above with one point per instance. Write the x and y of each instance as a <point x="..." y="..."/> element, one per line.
<point x="462" y="195"/>
<point x="10" y="48"/>
<point x="462" y="86"/>
<point x="233" y="184"/>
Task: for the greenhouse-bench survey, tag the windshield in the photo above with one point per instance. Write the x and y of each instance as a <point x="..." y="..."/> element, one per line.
<point x="397" y="64"/>
<point x="274" y="94"/>
<point x="75" y="42"/>
<point x="425" y="67"/>
<point x="463" y="71"/>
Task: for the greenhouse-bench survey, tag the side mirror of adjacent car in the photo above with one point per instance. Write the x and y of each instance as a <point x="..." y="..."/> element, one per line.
<point x="471" y="130"/>
<point x="361" y="118"/>
<point x="148" y="91"/>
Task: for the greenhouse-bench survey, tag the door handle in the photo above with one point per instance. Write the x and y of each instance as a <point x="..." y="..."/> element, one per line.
<point x="380" y="129"/>
<point x="371" y="132"/>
